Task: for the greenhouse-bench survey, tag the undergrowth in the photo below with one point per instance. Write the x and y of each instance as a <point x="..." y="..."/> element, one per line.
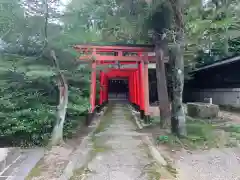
<point x="28" y="107"/>
<point x="199" y="135"/>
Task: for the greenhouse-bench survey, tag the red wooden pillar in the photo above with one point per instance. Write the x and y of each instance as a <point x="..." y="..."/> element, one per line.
<point x="141" y="83"/>
<point x="146" y="90"/>
<point x="137" y="86"/>
<point x="130" y="88"/>
<point x="129" y="93"/>
<point x="93" y="88"/>
<point x="101" y="88"/>
<point x="134" y="89"/>
<point x="106" y="88"/>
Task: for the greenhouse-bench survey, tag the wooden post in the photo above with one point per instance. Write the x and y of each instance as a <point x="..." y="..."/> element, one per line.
<point x="162" y="90"/>
<point x="93" y="88"/>
<point x="146" y="92"/>
<point x="137" y="86"/>
<point x="106" y="89"/>
<point x="134" y="88"/>
<point x="92" y="94"/>
<point x="101" y="88"/>
<point x="130" y="90"/>
<point x="141" y="76"/>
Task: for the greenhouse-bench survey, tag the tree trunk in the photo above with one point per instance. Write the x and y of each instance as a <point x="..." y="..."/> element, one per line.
<point x="162" y="88"/>
<point x="57" y="135"/>
<point x="178" y="120"/>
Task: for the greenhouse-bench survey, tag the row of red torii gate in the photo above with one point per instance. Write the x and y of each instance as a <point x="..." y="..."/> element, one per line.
<point x="129" y="62"/>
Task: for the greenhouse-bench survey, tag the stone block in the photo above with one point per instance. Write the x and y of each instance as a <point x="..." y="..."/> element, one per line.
<point x="202" y="110"/>
<point x="154" y="111"/>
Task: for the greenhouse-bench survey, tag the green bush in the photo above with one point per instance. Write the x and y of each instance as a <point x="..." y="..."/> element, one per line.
<point x="28" y="105"/>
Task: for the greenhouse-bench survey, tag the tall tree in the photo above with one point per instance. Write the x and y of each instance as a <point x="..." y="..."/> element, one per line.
<point x="177" y="64"/>
<point x="29" y="75"/>
<point x="161" y="13"/>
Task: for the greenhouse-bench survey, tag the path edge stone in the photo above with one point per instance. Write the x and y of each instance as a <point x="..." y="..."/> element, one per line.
<point x="152" y="148"/>
<point x="72" y="165"/>
<point x="137" y="121"/>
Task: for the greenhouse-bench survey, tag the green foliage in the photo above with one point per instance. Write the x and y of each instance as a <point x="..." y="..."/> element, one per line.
<point x="28" y="88"/>
<point x="28" y="103"/>
<point x="212" y="31"/>
<point x="162" y="139"/>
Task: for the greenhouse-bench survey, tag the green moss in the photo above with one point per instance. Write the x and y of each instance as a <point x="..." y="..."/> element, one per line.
<point x="232" y="128"/>
<point x="105" y="121"/>
<point x="153" y="170"/>
<point x="171" y="169"/>
<point x="78" y="174"/>
<point x="81" y="173"/>
<point x="35" y="172"/>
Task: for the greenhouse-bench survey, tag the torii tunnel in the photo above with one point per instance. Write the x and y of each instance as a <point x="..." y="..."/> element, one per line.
<point x="130" y="63"/>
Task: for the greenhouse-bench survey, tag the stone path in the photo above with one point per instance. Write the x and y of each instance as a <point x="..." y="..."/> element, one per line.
<point x="215" y="164"/>
<point x="120" y="152"/>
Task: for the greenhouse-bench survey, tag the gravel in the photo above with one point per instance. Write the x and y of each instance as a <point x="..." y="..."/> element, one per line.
<point x="215" y="164"/>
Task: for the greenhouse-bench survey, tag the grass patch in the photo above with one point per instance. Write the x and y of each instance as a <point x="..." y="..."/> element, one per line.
<point x="105" y="122"/>
<point x="35" y="172"/>
<point x="78" y="174"/>
<point x="200" y="135"/>
<point x="234" y="133"/>
<point x="155" y="120"/>
<point x="98" y="145"/>
<point x="232" y="128"/>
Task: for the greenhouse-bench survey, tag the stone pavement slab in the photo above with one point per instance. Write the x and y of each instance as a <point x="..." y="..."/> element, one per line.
<point x="124" y="155"/>
<point x="21" y="161"/>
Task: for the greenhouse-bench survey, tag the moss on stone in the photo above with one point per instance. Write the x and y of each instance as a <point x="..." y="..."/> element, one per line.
<point x="35" y="172"/>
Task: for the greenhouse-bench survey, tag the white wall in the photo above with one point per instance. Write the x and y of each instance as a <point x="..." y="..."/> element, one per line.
<point x="228" y="96"/>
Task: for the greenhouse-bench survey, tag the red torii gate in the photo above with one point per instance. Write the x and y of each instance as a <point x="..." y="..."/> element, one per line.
<point x="137" y="77"/>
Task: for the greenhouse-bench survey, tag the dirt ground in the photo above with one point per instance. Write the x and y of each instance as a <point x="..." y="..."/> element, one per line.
<point x="222" y="163"/>
<point x="56" y="159"/>
<point x="230" y="116"/>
